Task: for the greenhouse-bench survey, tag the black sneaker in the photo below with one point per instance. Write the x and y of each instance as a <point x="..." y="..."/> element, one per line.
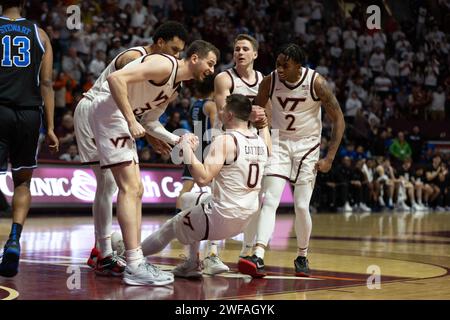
<point x="253" y="266"/>
<point x="10" y="261"/>
<point x="302" y="267"/>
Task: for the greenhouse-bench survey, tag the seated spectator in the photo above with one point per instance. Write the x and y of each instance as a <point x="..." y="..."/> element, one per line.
<point x="71" y="155"/>
<point x="436" y="110"/>
<point x="146" y="156"/>
<point x="415" y="140"/>
<point x="400" y="148"/>
<point x="325" y="191"/>
<point x="351" y="106"/>
<point x="424" y="191"/>
<point x="65" y="132"/>
<point x="63" y="85"/>
<point x="98" y="64"/>
<point x="361" y="154"/>
<point x="359" y="187"/>
<point x="368" y="169"/>
<point x="377" y="61"/>
<point x="418" y="100"/>
<point x="383" y="85"/>
<point x="348" y="151"/>
<point x="437" y="177"/>
<point x="407" y="186"/>
<point x="73" y="66"/>
<point x="174" y="122"/>
<point x="384" y="182"/>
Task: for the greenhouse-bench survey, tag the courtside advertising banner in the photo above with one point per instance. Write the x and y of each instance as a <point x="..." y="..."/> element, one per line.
<point x="75" y="186"/>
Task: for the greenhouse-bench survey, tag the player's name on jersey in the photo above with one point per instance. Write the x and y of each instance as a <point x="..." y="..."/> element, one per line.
<point x="12" y="27"/>
<point x="255" y="150"/>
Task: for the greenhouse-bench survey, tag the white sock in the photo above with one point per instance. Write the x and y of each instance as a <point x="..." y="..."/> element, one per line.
<point x="134" y="258"/>
<point x="259" y="252"/>
<point x="102" y="206"/>
<point x="194" y="251"/>
<point x="213" y="248"/>
<point x="303" y="223"/>
<point x="246" y="250"/>
<point x="303" y="252"/>
<point x="273" y="189"/>
<point x="104" y="246"/>
<point x="159" y="239"/>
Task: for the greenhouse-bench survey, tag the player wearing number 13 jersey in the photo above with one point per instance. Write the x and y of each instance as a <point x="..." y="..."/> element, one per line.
<point x="296" y="94"/>
<point x="26" y="65"/>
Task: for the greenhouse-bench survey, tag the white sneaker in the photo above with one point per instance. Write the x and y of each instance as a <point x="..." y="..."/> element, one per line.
<point x="381" y="201"/>
<point x="188" y="269"/>
<point x="117" y="244"/>
<point x="364" y="207"/>
<point x="213" y="265"/>
<point x="147" y="275"/>
<point x="421" y="207"/>
<point x="348" y="207"/>
<point x="416" y="207"/>
<point x="402" y="207"/>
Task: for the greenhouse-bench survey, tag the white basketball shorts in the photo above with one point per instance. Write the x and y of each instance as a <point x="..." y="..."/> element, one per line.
<point x="84" y="133"/>
<point x="112" y="137"/>
<point x="204" y="222"/>
<point x="294" y="160"/>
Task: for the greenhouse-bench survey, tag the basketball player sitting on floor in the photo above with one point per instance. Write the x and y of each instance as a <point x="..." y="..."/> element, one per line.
<point x="235" y="165"/>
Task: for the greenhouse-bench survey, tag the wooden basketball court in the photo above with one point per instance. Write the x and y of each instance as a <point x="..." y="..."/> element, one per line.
<point x="410" y="252"/>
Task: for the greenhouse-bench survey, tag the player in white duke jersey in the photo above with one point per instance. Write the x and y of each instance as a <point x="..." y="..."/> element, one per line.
<point x="245" y="80"/>
<point x="127" y="106"/>
<point x="234" y="165"/>
<point x="169" y="38"/>
<point x="296" y="94"/>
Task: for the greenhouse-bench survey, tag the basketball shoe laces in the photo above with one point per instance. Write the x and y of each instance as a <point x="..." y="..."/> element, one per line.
<point x="187" y="260"/>
<point x="156" y="271"/>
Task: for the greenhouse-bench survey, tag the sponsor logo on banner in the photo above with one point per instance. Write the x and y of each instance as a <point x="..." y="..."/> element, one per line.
<point x="72" y="186"/>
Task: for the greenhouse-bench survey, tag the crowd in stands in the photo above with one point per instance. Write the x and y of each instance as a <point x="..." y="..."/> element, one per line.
<point x="398" y="72"/>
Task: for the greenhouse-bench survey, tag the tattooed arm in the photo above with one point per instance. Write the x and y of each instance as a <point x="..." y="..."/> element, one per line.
<point x="334" y="111"/>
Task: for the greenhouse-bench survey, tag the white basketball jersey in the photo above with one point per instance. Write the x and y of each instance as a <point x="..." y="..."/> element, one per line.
<point x="238" y="85"/>
<point x="147" y="96"/>
<point x="109" y="69"/>
<point x="236" y="188"/>
<point x="296" y="110"/>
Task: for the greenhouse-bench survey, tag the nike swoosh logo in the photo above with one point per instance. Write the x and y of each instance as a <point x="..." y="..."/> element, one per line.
<point x="259" y="265"/>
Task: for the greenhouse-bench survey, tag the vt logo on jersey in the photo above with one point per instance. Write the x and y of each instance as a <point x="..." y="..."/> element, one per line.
<point x="158" y="101"/>
<point x="294" y="101"/>
<point x="116" y="141"/>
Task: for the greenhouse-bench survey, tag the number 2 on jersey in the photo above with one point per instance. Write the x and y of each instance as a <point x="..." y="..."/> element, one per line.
<point x="22" y="59"/>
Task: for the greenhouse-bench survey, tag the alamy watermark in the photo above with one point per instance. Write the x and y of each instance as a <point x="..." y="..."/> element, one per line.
<point x="374" y="280"/>
<point x="73" y="21"/>
<point x="374" y="17"/>
<point x="74" y="280"/>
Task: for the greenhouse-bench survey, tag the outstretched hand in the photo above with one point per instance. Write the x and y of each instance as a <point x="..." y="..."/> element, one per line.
<point x="159" y="146"/>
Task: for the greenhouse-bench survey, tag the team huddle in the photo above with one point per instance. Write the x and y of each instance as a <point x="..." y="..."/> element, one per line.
<point x="263" y="131"/>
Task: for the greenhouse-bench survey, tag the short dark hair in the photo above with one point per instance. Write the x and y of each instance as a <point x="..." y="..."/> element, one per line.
<point x="249" y="38"/>
<point x="206" y="86"/>
<point x="240" y="105"/>
<point x="202" y="48"/>
<point x="293" y="51"/>
<point x="11" y="4"/>
<point x="169" y="30"/>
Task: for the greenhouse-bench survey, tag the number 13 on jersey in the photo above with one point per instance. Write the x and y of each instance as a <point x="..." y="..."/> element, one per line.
<point x="22" y="59"/>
